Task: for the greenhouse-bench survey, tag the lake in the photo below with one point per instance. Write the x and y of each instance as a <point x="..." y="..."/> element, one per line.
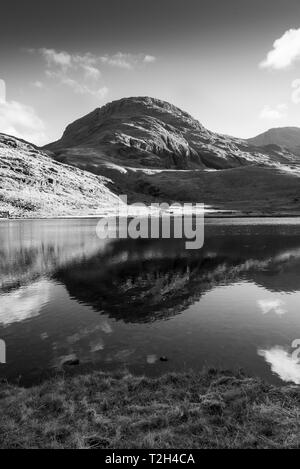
<point x="150" y="306"/>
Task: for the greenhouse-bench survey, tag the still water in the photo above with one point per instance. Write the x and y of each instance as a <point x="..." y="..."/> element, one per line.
<point x="111" y="304"/>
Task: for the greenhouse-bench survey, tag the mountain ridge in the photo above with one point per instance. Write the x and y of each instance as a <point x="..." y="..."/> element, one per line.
<point x="148" y="132"/>
<point x="288" y="137"/>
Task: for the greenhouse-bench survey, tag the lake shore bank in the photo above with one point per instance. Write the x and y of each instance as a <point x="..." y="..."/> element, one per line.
<point x="211" y="409"/>
<point x="207" y="215"/>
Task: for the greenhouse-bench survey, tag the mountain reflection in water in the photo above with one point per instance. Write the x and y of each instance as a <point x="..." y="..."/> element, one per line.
<point x="232" y="303"/>
<point x="143" y="280"/>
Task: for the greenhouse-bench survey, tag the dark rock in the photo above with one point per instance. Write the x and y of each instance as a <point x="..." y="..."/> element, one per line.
<point x="163" y="359"/>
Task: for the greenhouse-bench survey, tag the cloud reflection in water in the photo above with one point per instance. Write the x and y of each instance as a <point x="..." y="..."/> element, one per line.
<point x="272" y="306"/>
<point x="24" y="303"/>
<point x="282" y="363"/>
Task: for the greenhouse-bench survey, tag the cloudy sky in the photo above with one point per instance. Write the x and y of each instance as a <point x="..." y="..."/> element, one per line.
<point x="233" y="65"/>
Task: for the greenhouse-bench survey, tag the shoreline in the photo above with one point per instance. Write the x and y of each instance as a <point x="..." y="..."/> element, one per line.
<point x="102" y="410"/>
<point x="208" y="216"/>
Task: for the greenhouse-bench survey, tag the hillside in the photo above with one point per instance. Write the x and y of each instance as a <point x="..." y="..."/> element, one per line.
<point x="285" y="137"/>
<point x="154" y="151"/>
<point x="251" y="190"/>
<point x="32" y="184"/>
<point x="146" y="132"/>
<point x="151" y="151"/>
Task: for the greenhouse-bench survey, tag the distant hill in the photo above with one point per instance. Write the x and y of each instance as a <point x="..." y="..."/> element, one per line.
<point x="286" y="137"/>
<point x="147" y="132"/>
<point x="32" y="184"/>
<point x="153" y="151"/>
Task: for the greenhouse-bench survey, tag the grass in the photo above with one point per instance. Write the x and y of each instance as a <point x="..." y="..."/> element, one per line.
<point x="189" y="410"/>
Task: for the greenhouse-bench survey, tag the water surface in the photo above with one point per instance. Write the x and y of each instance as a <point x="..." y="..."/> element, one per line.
<point x="126" y="303"/>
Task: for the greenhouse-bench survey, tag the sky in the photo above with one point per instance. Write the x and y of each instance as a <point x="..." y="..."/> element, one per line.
<point x="234" y="65"/>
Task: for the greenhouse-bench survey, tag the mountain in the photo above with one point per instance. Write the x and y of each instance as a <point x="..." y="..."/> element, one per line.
<point x="153" y="151"/>
<point x="285" y="137"/>
<point x="32" y="184"/>
<point x="146" y="132"/>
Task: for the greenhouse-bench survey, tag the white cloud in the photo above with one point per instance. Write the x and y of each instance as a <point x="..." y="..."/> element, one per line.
<point x="118" y="60"/>
<point x="20" y="120"/>
<point x="92" y="72"/>
<point x="66" y="61"/>
<point x="282" y="363"/>
<point x="126" y="60"/>
<point x="87" y="62"/>
<point x="79" y="87"/>
<point x="286" y="50"/>
<point x="273" y="113"/>
<point x="81" y="72"/>
<point x="296" y="91"/>
<point x="149" y="59"/>
<point x="78" y="72"/>
<point x="53" y="57"/>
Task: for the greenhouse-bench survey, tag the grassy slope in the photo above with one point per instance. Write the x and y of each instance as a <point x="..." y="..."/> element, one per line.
<point x="208" y="410"/>
<point x="31" y="184"/>
<point x="259" y="189"/>
<point x="247" y="189"/>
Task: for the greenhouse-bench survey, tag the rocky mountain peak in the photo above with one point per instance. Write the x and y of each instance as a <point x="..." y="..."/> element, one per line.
<point x="147" y="132"/>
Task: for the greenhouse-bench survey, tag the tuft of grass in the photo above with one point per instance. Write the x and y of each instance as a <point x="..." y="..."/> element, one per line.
<point x="211" y="409"/>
